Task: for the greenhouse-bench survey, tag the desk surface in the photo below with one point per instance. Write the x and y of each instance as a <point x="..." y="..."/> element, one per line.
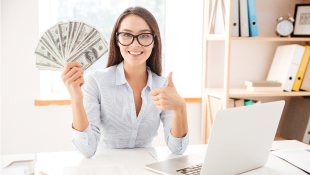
<point x="135" y="159"/>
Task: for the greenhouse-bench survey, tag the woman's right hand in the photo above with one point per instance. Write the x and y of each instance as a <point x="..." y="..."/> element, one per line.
<point x="72" y="77"/>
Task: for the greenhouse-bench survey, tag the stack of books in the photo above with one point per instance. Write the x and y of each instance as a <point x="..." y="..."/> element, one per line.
<point x="263" y="85"/>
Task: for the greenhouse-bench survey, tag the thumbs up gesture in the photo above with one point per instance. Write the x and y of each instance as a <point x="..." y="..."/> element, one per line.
<point x="167" y="98"/>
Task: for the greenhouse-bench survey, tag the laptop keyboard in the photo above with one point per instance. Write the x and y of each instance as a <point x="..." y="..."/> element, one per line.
<point x="193" y="170"/>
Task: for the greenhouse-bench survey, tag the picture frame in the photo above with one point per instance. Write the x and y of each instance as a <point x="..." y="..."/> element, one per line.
<point x="302" y="21"/>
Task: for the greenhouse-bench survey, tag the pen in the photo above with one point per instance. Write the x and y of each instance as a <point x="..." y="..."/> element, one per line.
<point x="41" y="172"/>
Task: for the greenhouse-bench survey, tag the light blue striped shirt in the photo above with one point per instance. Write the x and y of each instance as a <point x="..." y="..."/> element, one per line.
<point x="110" y="109"/>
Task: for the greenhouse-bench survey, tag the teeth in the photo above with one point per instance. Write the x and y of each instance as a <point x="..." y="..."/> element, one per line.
<point x="135" y="53"/>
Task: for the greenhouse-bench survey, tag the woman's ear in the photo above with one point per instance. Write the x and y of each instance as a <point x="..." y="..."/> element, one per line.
<point x="116" y="42"/>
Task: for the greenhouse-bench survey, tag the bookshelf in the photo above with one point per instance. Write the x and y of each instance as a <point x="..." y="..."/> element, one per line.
<point x="220" y="37"/>
<point x="226" y="91"/>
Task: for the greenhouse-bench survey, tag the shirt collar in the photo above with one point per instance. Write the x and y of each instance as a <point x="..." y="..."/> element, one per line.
<point x="120" y="75"/>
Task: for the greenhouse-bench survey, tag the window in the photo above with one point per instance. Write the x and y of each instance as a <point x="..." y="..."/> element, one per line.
<point x="102" y="15"/>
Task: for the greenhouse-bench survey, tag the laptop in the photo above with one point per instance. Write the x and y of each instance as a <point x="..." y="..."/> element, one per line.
<point x="240" y="141"/>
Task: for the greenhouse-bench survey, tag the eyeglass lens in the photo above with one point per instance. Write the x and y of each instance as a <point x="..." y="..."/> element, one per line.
<point x="143" y="39"/>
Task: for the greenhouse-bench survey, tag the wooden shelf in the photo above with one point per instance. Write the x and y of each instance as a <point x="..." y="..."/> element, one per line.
<point x="243" y="92"/>
<point x="271" y="38"/>
<point x="220" y="37"/>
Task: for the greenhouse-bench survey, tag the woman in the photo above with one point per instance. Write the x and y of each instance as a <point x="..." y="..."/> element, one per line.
<point x="121" y="106"/>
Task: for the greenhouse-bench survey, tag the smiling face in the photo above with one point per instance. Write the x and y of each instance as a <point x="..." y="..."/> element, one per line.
<point x="135" y="54"/>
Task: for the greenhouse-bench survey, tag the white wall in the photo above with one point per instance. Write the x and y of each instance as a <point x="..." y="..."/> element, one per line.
<point x="26" y="128"/>
<point x="0" y="76"/>
<point x="184" y="21"/>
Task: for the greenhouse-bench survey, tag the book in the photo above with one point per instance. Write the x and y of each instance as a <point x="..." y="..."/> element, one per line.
<point x="262" y="83"/>
<point x="265" y="89"/>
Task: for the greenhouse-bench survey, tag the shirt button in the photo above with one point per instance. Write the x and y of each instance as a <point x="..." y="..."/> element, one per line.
<point x="135" y="128"/>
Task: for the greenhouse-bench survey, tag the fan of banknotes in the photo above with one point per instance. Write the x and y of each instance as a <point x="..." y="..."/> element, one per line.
<point x="70" y="42"/>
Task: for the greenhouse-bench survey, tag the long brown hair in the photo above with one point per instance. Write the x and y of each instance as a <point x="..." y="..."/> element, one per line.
<point x="154" y="61"/>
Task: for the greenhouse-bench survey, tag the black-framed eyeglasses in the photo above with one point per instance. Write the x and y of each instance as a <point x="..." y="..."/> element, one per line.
<point x="126" y="39"/>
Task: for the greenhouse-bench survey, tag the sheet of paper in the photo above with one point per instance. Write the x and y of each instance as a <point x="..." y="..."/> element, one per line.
<point x="298" y="157"/>
<point x="112" y="169"/>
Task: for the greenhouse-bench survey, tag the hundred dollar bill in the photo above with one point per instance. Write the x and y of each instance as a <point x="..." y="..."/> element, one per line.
<point x="52" y="51"/>
<point x="75" y="32"/>
<point x="90" y="55"/>
<point x="95" y="35"/>
<point x="83" y="34"/>
<point x="43" y="51"/>
<point x="43" y="63"/>
<point x="53" y="34"/>
<point x="47" y="43"/>
<point x="70" y="26"/>
<point x="62" y="28"/>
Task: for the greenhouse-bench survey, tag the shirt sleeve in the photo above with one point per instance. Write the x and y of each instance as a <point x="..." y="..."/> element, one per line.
<point x="176" y="145"/>
<point x="87" y="141"/>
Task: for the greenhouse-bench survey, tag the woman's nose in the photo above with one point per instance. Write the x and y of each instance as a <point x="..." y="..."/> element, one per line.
<point x="135" y="43"/>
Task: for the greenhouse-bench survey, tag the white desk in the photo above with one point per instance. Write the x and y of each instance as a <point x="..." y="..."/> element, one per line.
<point x="135" y="159"/>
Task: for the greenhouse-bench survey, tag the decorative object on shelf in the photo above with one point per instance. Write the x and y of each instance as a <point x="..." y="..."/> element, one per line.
<point x="285" y="27"/>
<point x="302" y="21"/>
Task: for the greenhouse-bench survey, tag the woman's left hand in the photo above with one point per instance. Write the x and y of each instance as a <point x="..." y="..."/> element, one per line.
<point x="167" y="98"/>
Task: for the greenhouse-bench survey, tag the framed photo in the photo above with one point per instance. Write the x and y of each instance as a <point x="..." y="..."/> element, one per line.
<point x="302" y="21"/>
